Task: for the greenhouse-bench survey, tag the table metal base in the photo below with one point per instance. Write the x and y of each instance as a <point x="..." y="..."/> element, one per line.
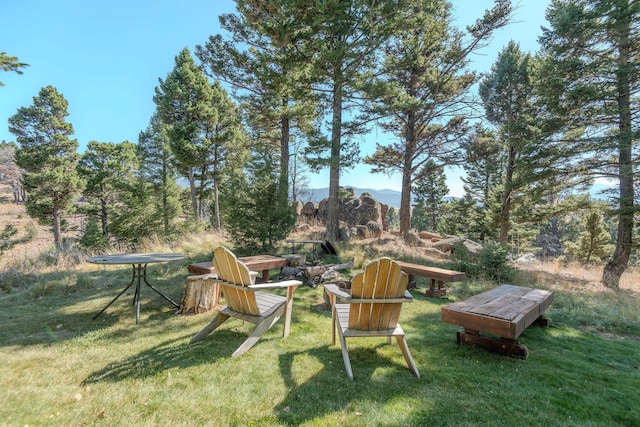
<point x="139" y="272"/>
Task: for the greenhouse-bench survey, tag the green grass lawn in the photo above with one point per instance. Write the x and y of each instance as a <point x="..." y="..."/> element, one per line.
<point x="60" y="367"/>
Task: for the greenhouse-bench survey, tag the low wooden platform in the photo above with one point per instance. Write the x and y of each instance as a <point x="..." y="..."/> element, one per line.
<point x="263" y="263"/>
<point x="438" y="277"/>
<point x="504" y="312"/>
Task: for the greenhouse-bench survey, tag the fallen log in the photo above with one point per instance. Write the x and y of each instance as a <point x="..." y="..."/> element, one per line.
<point x="313" y="274"/>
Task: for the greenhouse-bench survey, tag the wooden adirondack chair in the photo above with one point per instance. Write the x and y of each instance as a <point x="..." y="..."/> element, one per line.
<point x="245" y="300"/>
<point x="372" y="309"/>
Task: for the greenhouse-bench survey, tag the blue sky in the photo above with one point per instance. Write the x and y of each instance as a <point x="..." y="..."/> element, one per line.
<point x="105" y="57"/>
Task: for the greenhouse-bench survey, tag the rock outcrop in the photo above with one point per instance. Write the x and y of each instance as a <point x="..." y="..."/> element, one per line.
<point x="364" y="213"/>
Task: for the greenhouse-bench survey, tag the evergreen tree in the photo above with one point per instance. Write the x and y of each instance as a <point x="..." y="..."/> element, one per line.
<point x="158" y="169"/>
<point x="429" y="192"/>
<point x="591" y="78"/>
<point x="461" y="217"/>
<point x="9" y="170"/>
<point x="227" y="145"/>
<point x="393" y="220"/>
<point x="10" y="63"/>
<point x="593" y="243"/>
<point x="184" y="104"/>
<point x="255" y="215"/>
<point x="342" y="43"/>
<point x="424" y="89"/>
<point x="48" y="157"/>
<point x="484" y="164"/>
<point x="265" y="78"/>
<point x="506" y="95"/>
<point x="105" y="166"/>
<point x="138" y="215"/>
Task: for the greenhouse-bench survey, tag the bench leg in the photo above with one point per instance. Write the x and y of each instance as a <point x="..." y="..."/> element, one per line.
<point x="541" y="321"/>
<point x="412" y="282"/>
<point x="504" y="346"/>
<point x="436" y="289"/>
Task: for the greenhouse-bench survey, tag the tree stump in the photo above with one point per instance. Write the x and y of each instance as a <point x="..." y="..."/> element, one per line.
<point x="201" y="294"/>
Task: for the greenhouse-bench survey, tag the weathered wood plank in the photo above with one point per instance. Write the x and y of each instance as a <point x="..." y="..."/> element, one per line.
<point x="505" y="311"/>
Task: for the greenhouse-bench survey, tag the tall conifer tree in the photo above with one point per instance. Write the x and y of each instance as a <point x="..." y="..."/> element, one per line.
<point x="48" y="157"/>
<point x="591" y="80"/>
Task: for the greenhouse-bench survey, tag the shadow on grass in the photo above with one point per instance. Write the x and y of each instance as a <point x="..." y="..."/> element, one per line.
<point x="58" y="306"/>
<point x="174" y="353"/>
<point x="330" y="390"/>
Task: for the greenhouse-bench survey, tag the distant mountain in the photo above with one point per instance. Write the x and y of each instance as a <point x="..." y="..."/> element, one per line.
<point x="392" y="197"/>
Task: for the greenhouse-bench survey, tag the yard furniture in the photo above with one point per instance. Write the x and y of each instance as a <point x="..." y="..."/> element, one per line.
<point x="504" y="312"/>
<point x="263" y="263"/>
<point x="246" y="301"/>
<point x="437" y="275"/>
<point x="138" y="263"/>
<point x="372" y="309"/>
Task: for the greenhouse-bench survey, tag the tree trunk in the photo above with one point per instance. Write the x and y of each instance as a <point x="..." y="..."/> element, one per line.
<point x="192" y="191"/>
<point x="57" y="233"/>
<point x="506" y="198"/>
<point x="104" y="217"/>
<point x="284" y="156"/>
<point x="201" y="294"/>
<point x="216" y="205"/>
<point x="614" y="268"/>
<point x="333" y="211"/>
<point x="407" y="172"/>
<point x="165" y="201"/>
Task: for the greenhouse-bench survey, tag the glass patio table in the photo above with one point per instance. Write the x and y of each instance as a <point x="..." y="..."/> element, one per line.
<point x="138" y="263"/>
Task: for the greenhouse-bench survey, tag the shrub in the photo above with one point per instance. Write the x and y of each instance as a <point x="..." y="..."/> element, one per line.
<point x="93" y="239"/>
<point x="490" y="263"/>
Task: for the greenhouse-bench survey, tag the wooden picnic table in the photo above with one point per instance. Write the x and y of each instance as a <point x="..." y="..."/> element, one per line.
<point x="263" y="263"/>
<point x="504" y="312"/>
<point x="437" y="275"/>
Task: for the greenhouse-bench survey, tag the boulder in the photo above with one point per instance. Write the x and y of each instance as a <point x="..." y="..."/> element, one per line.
<point x="412" y="238"/>
<point x="426" y="235"/>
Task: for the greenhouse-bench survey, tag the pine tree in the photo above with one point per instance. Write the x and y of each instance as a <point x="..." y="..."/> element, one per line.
<point x="105" y="166"/>
<point x="429" y="190"/>
<point x="10" y="63"/>
<point x="265" y="78"/>
<point x="184" y="104"/>
<point x="48" y="157"/>
<point x="424" y="88"/>
<point x="158" y="169"/>
<point x="593" y="242"/>
<point x="342" y="41"/>
<point x="591" y="78"/>
<point x="255" y="214"/>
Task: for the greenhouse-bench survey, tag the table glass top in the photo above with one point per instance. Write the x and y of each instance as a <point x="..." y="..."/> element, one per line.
<point x="135" y="258"/>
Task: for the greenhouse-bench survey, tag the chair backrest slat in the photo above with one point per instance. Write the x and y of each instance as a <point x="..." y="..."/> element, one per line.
<point x="380" y="279"/>
<point x="233" y="271"/>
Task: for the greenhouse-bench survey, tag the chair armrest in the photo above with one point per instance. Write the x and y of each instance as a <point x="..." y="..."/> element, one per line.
<point x="334" y="290"/>
<point x="345" y="298"/>
<point x="204" y="276"/>
<point x="283" y="284"/>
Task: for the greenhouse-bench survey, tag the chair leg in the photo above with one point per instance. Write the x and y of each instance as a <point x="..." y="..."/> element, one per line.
<point x="288" y="311"/>
<point x="217" y="321"/>
<point x="257" y="332"/>
<point x="345" y="354"/>
<point x="402" y="343"/>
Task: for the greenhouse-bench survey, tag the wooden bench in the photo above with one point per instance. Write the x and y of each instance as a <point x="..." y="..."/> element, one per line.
<point x="438" y="277"/>
<point x="504" y="312"/>
<point x="263" y="263"/>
